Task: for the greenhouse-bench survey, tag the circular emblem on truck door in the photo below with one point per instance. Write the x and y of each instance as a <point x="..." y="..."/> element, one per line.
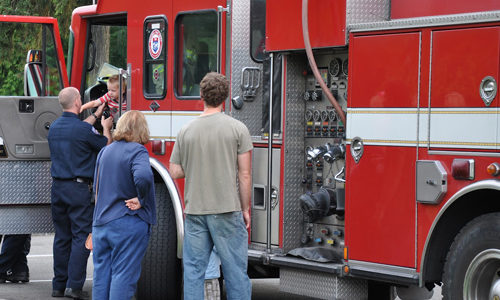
<point x="155" y="44"/>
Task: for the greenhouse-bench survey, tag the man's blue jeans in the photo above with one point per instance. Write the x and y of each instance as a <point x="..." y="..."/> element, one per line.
<point x="229" y="235"/>
<point x="213" y="268"/>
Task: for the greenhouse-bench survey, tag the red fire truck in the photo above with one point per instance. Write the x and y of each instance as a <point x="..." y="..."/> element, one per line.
<point x="376" y="132"/>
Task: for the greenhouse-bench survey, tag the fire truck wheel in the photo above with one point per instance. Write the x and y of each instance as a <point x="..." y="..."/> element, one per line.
<point x="161" y="269"/>
<point x="379" y="291"/>
<point x="472" y="268"/>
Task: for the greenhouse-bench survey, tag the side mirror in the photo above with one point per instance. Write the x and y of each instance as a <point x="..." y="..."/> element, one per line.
<point x="33" y="74"/>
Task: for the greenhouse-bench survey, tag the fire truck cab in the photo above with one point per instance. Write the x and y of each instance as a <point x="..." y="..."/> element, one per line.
<point x="375" y="124"/>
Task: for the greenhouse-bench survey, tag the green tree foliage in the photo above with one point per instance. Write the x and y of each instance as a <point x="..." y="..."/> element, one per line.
<point x="15" y="39"/>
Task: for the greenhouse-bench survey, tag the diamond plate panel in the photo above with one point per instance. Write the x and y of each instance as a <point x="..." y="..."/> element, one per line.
<point x="251" y="112"/>
<point x="25" y="219"/>
<point x="363" y="11"/>
<point x="322" y="285"/>
<point x="294" y="151"/>
<point x="470" y="18"/>
<point x="25" y="182"/>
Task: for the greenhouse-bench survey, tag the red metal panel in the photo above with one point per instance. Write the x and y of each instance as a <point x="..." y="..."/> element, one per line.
<point x="427" y="213"/>
<point x="384" y="70"/>
<point x="461" y="58"/>
<point x="411" y="8"/>
<point x="188" y="7"/>
<point x="380" y="189"/>
<point x="136" y="13"/>
<point x="284" y="24"/>
<point x="28" y="19"/>
<point x="79" y="28"/>
<point x="380" y="208"/>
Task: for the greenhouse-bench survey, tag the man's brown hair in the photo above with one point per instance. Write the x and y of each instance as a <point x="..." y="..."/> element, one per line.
<point x="132" y="127"/>
<point x="214" y="89"/>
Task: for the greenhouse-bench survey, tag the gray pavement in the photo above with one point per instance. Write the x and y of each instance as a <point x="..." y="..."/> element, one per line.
<point x="40" y="285"/>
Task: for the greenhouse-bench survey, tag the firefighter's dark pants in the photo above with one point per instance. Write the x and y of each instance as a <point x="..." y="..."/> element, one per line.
<point x="13" y="255"/>
<point x="72" y="216"/>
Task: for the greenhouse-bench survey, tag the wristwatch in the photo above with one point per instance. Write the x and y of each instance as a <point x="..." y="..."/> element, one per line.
<point x="93" y="115"/>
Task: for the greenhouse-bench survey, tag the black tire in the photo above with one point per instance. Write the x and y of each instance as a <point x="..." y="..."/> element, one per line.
<point x="472" y="265"/>
<point x="161" y="276"/>
<point x="379" y="291"/>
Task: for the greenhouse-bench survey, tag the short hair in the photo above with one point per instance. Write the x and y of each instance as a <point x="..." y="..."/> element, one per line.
<point x="115" y="79"/>
<point x="132" y="127"/>
<point x="214" y="89"/>
<point x="67" y="97"/>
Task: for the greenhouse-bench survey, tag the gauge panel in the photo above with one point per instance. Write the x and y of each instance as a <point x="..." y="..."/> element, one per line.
<point x="334" y="67"/>
<point x="316" y="115"/>
<point x="309" y="115"/>
<point x="324" y="115"/>
<point x="345" y="66"/>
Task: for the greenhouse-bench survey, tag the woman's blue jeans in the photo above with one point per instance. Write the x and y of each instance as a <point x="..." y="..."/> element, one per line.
<point x="229" y="235"/>
<point x="119" y="247"/>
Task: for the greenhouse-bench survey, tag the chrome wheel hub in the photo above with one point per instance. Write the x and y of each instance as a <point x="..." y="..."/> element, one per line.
<point x="482" y="279"/>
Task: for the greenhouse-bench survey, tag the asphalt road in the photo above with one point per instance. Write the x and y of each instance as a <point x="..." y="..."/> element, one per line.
<point x="40" y="286"/>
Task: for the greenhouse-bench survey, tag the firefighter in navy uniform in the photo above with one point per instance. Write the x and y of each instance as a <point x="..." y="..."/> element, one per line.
<point x="74" y="146"/>
<point x="13" y="262"/>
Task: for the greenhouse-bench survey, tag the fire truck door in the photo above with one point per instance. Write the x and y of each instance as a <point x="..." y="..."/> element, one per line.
<point x="261" y="194"/>
<point x="28" y="106"/>
<point x="382" y="111"/>
<point x="464" y="99"/>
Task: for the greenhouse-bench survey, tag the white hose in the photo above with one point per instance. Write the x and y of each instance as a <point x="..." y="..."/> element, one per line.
<point x="314" y="67"/>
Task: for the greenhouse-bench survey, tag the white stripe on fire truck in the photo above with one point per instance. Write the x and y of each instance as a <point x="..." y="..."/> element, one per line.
<point x="450" y="127"/>
<point x="166" y="124"/>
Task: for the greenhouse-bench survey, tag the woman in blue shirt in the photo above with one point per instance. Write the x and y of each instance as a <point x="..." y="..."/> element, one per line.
<point x="124" y="209"/>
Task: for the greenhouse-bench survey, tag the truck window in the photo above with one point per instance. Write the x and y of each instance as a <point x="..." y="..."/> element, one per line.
<point x="195" y="51"/>
<point x="155" y="58"/>
<point x="257" y="29"/>
<point x="15" y="48"/>
<point x="107" y="45"/>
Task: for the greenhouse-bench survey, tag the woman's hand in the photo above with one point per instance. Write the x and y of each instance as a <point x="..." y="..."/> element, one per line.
<point x="133" y="204"/>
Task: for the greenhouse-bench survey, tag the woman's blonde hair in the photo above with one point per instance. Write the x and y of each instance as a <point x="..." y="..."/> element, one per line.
<point x="132" y="127"/>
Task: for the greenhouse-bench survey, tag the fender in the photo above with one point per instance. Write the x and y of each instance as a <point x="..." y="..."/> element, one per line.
<point x="485" y="184"/>
<point x="176" y="201"/>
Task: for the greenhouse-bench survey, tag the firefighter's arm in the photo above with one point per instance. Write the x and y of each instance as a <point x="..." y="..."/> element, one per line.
<point x="176" y="171"/>
<point x="107" y="124"/>
<point x="94" y="116"/>
<point x="245" y="183"/>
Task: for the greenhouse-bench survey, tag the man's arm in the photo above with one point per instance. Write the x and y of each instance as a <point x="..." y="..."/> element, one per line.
<point x="106" y="128"/>
<point x="96" y="115"/>
<point x="107" y="124"/>
<point x="176" y="171"/>
<point x="245" y="183"/>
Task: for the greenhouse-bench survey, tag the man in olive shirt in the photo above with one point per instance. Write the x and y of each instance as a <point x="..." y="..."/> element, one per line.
<point x="213" y="152"/>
